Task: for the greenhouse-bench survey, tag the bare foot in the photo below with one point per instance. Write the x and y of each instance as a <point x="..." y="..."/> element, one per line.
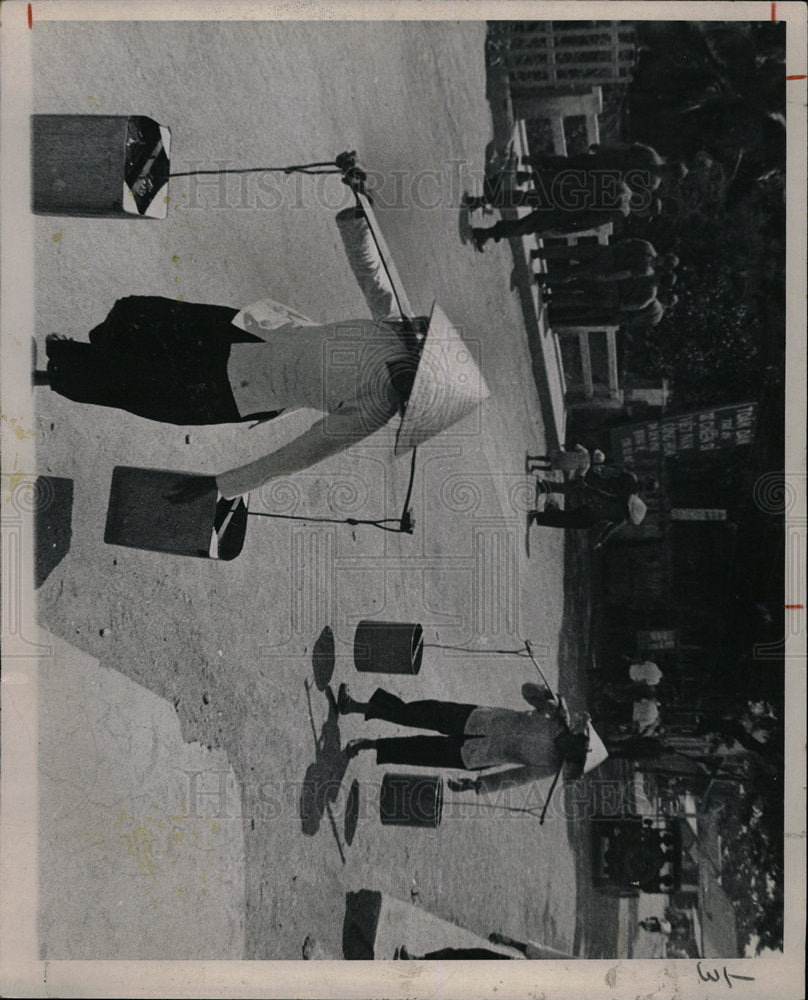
<point x="353" y="747"/>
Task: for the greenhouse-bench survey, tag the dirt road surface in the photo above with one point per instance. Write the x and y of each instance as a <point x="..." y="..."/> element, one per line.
<point x="194" y="803"/>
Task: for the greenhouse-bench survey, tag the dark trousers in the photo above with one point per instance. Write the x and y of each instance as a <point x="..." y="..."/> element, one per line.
<point x="421" y="751"/>
<point x="574" y="488"/>
<point x="157" y="358"/>
<point x="570" y="314"/>
<point x="564" y="186"/>
<point x="581" y="517"/>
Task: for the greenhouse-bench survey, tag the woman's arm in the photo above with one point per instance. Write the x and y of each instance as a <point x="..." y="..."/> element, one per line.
<point x="327" y="437"/>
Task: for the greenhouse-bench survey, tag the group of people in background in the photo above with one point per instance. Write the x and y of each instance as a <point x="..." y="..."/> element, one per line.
<point x="675" y="928"/>
<point x="596" y="493"/>
<point x="627" y="284"/>
<point x="632" y="706"/>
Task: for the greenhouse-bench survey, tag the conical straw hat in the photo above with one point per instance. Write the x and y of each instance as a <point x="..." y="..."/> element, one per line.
<point x="596" y="752"/>
<point x="447" y="386"/>
<point x="636" y="509"/>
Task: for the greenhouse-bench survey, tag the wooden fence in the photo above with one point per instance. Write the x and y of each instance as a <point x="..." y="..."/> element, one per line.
<point x="547" y="55"/>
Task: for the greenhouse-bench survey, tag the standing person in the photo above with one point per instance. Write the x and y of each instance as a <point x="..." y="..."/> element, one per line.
<point x="632" y="319"/>
<point x="475" y="738"/>
<point x="609" y="513"/>
<point x="635" y="164"/>
<point x="639" y="165"/>
<point x="645" y="672"/>
<point x="623" y="694"/>
<point x="598" y="301"/>
<point x="195" y="363"/>
<point x="617" y="484"/>
<point x="186" y="363"/>
<point x="626" y="295"/>
<point x="574" y="463"/>
<point x="616" y="477"/>
<point x="549" y="189"/>
<point x="629" y="258"/>
<point x="557" y="221"/>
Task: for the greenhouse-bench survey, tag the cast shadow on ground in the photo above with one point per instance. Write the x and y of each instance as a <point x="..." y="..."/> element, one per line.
<point x="597" y="916"/>
<point x="323" y="658"/>
<point x="53" y="529"/>
<point x="359" y="925"/>
<point x="352" y="812"/>
<point x="323" y="778"/>
<point x="522" y="277"/>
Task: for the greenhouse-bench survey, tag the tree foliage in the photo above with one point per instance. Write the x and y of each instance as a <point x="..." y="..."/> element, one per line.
<point x="726" y="329"/>
<point x="714" y="95"/>
<point x="717" y="87"/>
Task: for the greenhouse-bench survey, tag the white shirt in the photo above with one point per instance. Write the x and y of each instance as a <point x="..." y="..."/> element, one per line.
<point x="508" y="736"/>
<point x="339" y="368"/>
<point x="645" y="672"/>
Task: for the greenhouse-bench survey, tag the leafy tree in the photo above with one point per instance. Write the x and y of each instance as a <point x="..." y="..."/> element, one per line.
<point x="752" y="863"/>
<point x="717" y="88"/>
<point x="726" y="329"/>
<point x="714" y="94"/>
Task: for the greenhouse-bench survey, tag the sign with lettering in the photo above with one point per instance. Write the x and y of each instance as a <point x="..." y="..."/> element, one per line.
<point x="705" y="430"/>
<point x="656" y="639"/>
<point x="698" y="514"/>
